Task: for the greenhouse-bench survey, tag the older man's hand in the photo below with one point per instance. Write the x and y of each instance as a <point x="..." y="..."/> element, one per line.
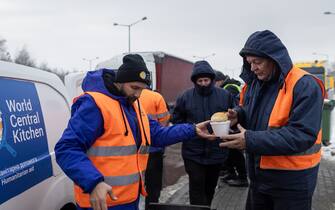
<point x="235" y="141"/>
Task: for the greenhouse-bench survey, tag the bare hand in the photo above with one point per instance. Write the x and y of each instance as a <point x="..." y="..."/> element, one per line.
<point x="232" y="116"/>
<point x="235" y="141"/>
<point x="98" y="196"/>
<point x="202" y="131"/>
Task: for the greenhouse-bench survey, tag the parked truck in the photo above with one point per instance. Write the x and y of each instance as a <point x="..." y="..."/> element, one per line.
<point x="323" y="71"/>
<point x="170" y="74"/>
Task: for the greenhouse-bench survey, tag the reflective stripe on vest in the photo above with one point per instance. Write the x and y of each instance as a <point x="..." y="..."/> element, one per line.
<point x="155" y="106"/>
<point x="279" y="117"/>
<point x="115" y="154"/>
<point x="242" y="93"/>
<point x="232" y="85"/>
<point x="117" y="150"/>
<point x="122" y="180"/>
<point x="112" y="151"/>
<point x="158" y="116"/>
<point x="312" y="150"/>
<point x="152" y="116"/>
<point x="144" y="149"/>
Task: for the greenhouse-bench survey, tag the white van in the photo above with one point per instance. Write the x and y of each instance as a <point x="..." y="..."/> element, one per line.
<point x="73" y="83"/>
<point x="34" y="110"/>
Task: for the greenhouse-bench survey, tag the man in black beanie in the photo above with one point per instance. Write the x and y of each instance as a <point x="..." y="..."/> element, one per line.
<point x="104" y="149"/>
<point x="133" y="69"/>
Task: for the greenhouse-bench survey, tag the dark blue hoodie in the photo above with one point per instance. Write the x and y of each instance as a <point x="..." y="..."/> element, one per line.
<point x="298" y="135"/>
<point x="199" y="104"/>
<point x="86" y="125"/>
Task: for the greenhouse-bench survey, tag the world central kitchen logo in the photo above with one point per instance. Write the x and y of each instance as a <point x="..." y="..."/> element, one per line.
<point x="24" y="124"/>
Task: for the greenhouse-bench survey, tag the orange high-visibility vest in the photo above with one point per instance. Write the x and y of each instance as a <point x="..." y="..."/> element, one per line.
<point x="279" y="117"/>
<point x="115" y="154"/>
<point x="155" y="106"/>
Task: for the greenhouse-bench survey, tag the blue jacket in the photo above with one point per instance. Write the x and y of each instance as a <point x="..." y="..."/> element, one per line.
<point x="199" y="104"/>
<point x="86" y="125"/>
<point x="298" y="135"/>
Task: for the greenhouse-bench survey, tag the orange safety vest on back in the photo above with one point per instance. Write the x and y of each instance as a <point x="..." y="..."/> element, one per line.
<point x="155" y="106"/>
<point x="279" y="117"/>
<point x="116" y="155"/>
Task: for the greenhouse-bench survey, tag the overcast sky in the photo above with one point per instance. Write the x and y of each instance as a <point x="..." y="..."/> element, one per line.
<point x="63" y="32"/>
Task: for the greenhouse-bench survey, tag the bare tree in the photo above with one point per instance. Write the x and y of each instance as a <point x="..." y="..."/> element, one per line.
<point x="61" y="73"/>
<point x="44" y="66"/>
<point x="23" y="57"/>
<point x="4" y="54"/>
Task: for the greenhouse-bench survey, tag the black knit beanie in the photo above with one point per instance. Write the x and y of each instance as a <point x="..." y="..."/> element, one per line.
<point x="133" y="69"/>
<point x="219" y="76"/>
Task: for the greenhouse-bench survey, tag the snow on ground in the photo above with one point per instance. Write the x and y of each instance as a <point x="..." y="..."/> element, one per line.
<point x="328" y="152"/>
<point x="168" y="191"/>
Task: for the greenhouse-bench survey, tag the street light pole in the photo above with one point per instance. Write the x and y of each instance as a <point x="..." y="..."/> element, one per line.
<point x="129" y="26"/>
<point x="204" y="57"/>
<point x="90" y="61"/>
<point x="329" y="13"/>
<point x="129" y="39"/>
<point x="322" y="54"/>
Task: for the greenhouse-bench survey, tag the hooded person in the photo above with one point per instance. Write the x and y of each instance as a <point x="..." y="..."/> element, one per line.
<point x="227" y="83"/>
<point x="104" y="149"/>
<point x="202" y="69"/>
<point x="280" y="116"/>
<point x="202" y="159"/>
<point x="220" y="79"/>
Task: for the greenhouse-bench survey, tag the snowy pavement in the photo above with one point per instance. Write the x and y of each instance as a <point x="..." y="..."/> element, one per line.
<point x="233" y="198"/>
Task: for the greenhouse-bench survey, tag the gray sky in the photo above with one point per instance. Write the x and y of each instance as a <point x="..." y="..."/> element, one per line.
<point x="63" y="32"/>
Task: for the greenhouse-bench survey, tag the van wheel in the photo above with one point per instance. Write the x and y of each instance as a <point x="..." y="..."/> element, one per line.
<point x="69" y="206"/>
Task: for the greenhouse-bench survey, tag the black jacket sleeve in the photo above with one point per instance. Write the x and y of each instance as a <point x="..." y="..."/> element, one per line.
<point x="179" y="112"/>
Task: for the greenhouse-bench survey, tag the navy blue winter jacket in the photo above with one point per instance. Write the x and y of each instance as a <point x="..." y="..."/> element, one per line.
<point x="86" y="125"/>
<point x="197" y="105"/>
<point x="298" y="135"/>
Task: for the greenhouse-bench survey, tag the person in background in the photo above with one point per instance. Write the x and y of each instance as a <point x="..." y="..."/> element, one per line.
<point x="280" y="117"/>
<point x="227" y="83"/>
<point x="233" y="170"/>
<point x="105" y="147"/>
<point x="202" y="159"/>
<point x="155" y="106"/>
